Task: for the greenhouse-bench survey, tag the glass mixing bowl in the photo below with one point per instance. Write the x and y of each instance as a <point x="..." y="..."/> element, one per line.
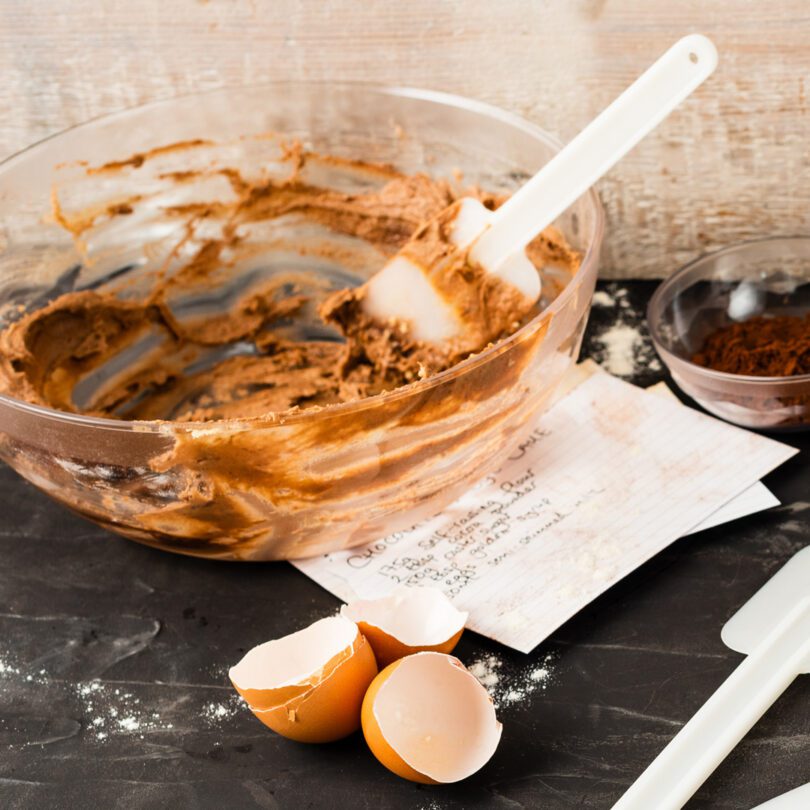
<point x="278" y="486"/>
<point x="761" y="277"/>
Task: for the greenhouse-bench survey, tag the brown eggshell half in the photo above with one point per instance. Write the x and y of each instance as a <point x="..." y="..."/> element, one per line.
<point x="388" y="649"/>
<point x="407" y="621"/>
<point x="330" y="710"/>
<point x="309" y="685"/>
<point x="428" y="719"/>
<point x="376" y="740"/>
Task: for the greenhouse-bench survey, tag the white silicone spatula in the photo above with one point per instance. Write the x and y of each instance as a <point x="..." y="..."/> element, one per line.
<point x="402" y="290"/>
<point x="773" y="629"/>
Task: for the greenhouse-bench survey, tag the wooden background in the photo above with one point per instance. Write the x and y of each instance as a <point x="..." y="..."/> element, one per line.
<point x="731" y="164"/>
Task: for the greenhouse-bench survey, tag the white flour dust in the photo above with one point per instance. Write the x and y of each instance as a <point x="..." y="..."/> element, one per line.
<point x="216" y="711"/>
<point x="508" y="685"/>
<point x="110" y="710"/>
<point x="621" y="348"/>
<point x="10" y="670"/>
<point x="795" y="507"/>
<point x="620" y="345"/>
<point x="487" y="670"/>
<point x="603" y="299"/>
<point x="7" y="669"/>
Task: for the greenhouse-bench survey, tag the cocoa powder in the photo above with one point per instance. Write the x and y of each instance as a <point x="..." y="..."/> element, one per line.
<point x="760" y="347"/>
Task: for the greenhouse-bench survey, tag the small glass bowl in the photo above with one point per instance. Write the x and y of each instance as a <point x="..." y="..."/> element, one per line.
<point x="761" y="277"/>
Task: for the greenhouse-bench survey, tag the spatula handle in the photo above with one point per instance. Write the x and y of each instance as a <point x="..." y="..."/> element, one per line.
<point x="703" y="743"/>
<point x="609" y="137"/>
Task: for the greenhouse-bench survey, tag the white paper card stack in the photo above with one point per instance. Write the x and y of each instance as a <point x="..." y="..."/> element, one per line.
<point x="611" y="475"/>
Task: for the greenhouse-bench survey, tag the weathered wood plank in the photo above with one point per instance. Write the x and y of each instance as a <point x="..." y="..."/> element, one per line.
<point x="731" y="164"/>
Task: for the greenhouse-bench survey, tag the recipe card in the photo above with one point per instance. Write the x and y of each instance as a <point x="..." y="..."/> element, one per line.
<point x="610" y="476"/>
<point x="754" y="499"/>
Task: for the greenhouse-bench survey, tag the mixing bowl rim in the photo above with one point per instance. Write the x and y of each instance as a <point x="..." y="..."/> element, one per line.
<point x="589" y="260"/>
<point x="655" y="309"/>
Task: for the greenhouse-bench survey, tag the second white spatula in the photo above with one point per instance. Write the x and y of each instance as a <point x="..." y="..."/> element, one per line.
<point x="773" y="629"/>
<point x="403" y="290"/>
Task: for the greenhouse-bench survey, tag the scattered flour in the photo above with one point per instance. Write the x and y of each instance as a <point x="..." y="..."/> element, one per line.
<point x="487" y="671"/>
<point x="620" y="345"/>
<point x="603" y="299"/>
<point x="796" y="506"/>
<point x="108" y="710"/>
<point x="215" y="712"/>
<point x="507" y="685"/>
<point x="621" y="349"/>
<point x="7" y="669"/>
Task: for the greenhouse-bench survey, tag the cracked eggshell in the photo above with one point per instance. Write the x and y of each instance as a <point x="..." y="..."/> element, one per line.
<point x="410" y="620"/>
<point x="428" y="719"/>
<point x="309" y="686"/>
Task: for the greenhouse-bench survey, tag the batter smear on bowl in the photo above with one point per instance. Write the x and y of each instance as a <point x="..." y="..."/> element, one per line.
<point x="242" y="362"/>
<point x="184" y="354"/>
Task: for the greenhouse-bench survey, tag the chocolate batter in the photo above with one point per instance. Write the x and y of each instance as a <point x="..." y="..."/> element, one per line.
<point x="243" y="363"/>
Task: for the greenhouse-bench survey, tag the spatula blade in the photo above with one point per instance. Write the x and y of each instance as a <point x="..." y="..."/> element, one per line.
<point x="751" y="623"/>
<point x="402" y="292"/>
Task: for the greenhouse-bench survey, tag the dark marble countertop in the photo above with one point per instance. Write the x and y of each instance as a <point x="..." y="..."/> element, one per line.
<point x="113" y="660"/>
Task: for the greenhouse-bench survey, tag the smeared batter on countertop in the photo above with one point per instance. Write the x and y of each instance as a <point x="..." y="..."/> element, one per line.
<point x="47" y="353"/>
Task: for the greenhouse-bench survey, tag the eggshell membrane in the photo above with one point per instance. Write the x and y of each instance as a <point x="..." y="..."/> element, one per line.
<point x="410" y="620"/>
<point x="428" y="719"/>
<point x="324" y="705"/>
